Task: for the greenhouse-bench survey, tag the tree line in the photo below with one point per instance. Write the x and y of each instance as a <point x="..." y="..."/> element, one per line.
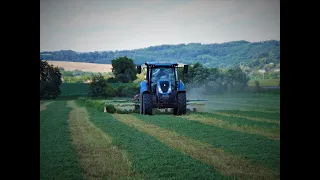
<point x="224" y="55"/>
<point x="211" y="80"/>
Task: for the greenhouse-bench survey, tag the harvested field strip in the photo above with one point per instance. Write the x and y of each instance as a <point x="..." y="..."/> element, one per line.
<point x="233" y="126"/>
<point x="150" y="157"/>
<point x="98" y="158"/>
<point x="58" y="159"/>
<point x="211" y="106"/>
<point x="247" y="117"/>
<point x="255" y="102"/>
<point x="238" y="121"/>
<point x="250" y="96"/>
<point x="43" y="106"/>
<point x="267" y="111"/>
<point x="273" y="116"/>
<point x="242" y="104"/>
<point x="256" y="148"/>
<point x="226" y="163"/>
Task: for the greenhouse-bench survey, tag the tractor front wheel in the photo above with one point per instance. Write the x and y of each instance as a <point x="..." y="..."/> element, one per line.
<point x="141" y="104"/>
<point x="147" y="103"/>
<point x="182" y="104"/>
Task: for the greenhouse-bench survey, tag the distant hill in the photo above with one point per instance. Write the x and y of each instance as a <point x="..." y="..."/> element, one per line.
<point x="86" y="67"/>
<point x="227" y="54"/>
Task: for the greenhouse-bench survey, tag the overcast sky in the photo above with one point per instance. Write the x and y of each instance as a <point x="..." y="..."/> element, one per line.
<point x="102" y="25"/>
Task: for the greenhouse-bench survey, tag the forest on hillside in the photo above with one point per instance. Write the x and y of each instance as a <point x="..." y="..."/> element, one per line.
<point x="256" y="55"/>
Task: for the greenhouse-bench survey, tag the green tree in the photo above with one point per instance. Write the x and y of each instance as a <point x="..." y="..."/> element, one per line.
<point x="124" y="69"/>
<point x="97" y="86"/>
<point x="50" y="81"/>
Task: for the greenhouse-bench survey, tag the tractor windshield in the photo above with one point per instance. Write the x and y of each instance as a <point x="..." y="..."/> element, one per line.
<point x="163" y="73"/>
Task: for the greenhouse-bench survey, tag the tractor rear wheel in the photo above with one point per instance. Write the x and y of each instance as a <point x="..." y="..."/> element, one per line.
<point x="182" y="104"/>
<point x="147" y="103"/>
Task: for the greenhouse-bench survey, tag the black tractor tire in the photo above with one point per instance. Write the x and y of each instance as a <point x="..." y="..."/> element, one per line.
<point x="175" y="111"/>
<point x="141" y="104"/>
<point x="182" y="104"/>
<point x="147" y="103"/>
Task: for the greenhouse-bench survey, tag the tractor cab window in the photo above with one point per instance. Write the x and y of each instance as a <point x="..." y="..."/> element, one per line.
<point x="162" y="74"/>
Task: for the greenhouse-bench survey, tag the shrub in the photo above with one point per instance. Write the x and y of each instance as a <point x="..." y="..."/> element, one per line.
<point x="90" y="103"/>
<point x="112" y="80"/>
<point x="109" y="91"/>
<point x="96" y="87"/>
<point x="110" y="108"/>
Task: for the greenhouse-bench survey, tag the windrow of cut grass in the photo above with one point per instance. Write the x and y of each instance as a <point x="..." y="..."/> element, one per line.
<point x="254" y="115"/>
<point x="251" y="129"/>
<point x="256" y="148"/>
<point x="248" y="117"/>
<point x="151" y="158"/>
<point x="58" y="159"/>
<point x="98" y="157"/>
<point x="246" y="102"/>
<point x="228" y="164"/>
<point x="273" y="126"/>
<point x="245" y="96"/>
<point x="213" y="107"/>
<point x="257" y="105"/>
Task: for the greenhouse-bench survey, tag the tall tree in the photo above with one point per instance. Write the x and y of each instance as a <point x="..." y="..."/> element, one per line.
<point x="50" y="81"/>
<point x="124" y="69"/>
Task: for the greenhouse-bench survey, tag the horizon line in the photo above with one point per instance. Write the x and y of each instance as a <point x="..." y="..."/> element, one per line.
<point x="159" y="45"/>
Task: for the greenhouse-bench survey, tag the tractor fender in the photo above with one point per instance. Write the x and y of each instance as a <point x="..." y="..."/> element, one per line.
<point x="143" y="87"/>
<point x="181" y="87"/>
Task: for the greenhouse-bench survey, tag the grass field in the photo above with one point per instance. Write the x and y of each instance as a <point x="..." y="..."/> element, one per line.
<point x="237" y="138"/>
<point x="74" y="89"/>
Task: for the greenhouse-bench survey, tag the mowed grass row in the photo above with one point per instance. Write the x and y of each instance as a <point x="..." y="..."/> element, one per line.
<point x="151" y="158"/>
<point x="98" y="157"/>
<point x="244" y="96"/>
<point x="58" y="159"/>
<point x="247" y="100"/>
<point x="226" y="163"/>
<point x="248" y="105"/>
<point x="251" y="128"/>
<point x="213" y="106"/>
<point x="256" y="148"/>
<point x="266" y="116"/>
<point x="250" y="101"/>
<point x="263" y="124"/>
<point x="126" y="146"/>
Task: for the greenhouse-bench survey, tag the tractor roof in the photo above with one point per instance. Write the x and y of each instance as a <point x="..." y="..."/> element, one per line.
<point x="162" y="63"/>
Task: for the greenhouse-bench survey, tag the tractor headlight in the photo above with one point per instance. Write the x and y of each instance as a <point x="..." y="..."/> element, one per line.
<point x="169" y="89"/>
<point x="159" y="89"/>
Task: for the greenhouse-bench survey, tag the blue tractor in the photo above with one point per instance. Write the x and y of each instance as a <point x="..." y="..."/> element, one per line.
<point x="162" y="88"/>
